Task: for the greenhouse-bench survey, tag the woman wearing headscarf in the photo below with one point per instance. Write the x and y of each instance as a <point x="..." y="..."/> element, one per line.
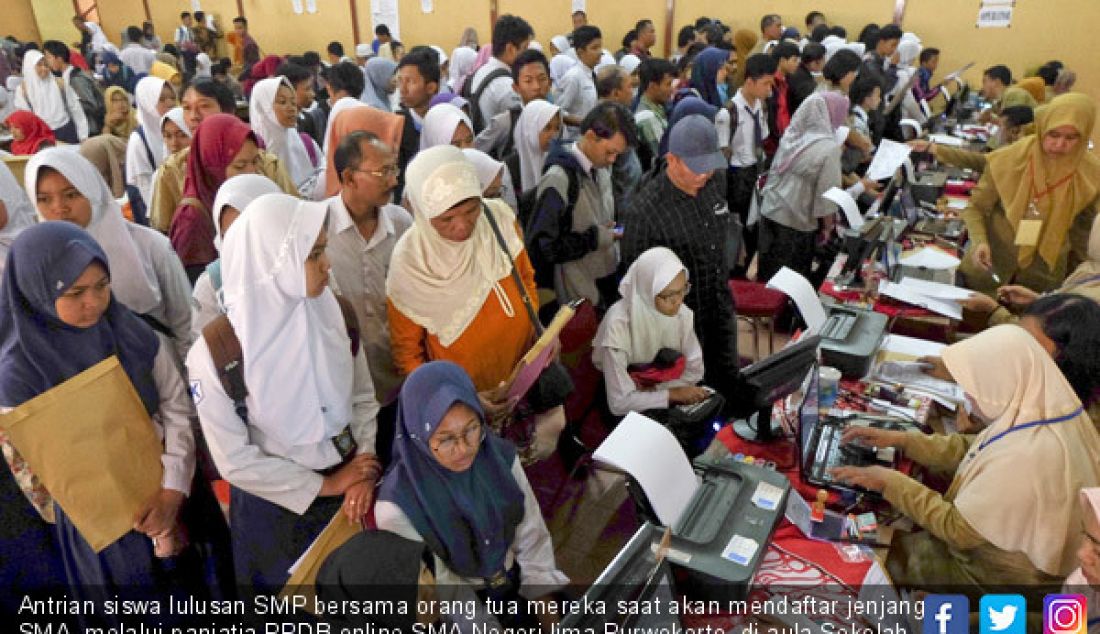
<point x="806" y="165"/>
<point x="29" y="133"/>
<point x="51" y="100"/>
<point x="694" y="105"/>
<point x="145" y="150"/>
<point x="115" y="73"/>
<point x="1038" y="444"/>
<point x="559" y="44"/>
<point x="495" y="180"/>
<point x="262" y="70"/>
<point x="306" y="447"/>
<point x="1034" y="86"/>
<point x="233" y="196"/>
<point x="16" y="212"/>
<point x="537" y="127"/>
<point x="120" y="120"/>
<point x="148" y="277"/>
<point x="59" y="319"/>
<point x="203" y="66"/>
<point x="222" y="147"/>
<point x="168" y="72"/>
<point x="386" y="126"/>
<point x="451" y="294"/>
<point x="559" y="66"/>
<point x="708" y="76"/>
<point x="744" y="41"/>
<point x="1030" y="215"/>
<point x="469" y="38"/>
<point x="1085" y="580"/>
<point x="650" y="319"/>
<point x="462" y="62"/>
<point x="273" y="114"/>
<point x="461" y="490"/>
<point x="445" y="124"/>
<point x="380" y="83"/>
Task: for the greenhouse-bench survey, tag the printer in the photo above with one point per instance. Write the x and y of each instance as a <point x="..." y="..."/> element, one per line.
<point x="928" y="186"/>
<point x="850" y="339"/>
<point x="723" y="533"/>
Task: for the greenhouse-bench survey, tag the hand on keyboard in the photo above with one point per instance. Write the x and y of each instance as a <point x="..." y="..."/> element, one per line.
<point x="687" y="395"/>
<point x="870" y="478"/>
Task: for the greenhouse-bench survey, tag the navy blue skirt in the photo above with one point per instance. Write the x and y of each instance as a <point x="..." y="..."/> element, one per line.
<point x="30" y="559"/>
<point x="129" y="569"/>
<point x="268" y="538"/>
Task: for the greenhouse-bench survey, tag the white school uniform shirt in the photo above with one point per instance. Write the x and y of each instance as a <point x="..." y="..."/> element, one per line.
<point x="743" y="148"/>
<point x="577" y="96"/>
<point x="174" y="310"/>
<point x="359" y="268"/>
<point x="256" y="462"/>
<point x="499" y="96"/>
<point x="184" y="34"/>
<point x="138" y="58"/>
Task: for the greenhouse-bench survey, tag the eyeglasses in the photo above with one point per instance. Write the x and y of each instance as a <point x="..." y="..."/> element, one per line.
<point x="448" y="445"/>
<point x="387" y="172"/>
<point x="668" y="296"/>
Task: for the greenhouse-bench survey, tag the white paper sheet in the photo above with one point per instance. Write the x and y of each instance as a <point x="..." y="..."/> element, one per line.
<point x="311" y="6"/>
<point x="936" y="289"/>
<point x="958" y="73"/>
<point x="946" y="139"/>
<point x="909" y="296"/>
<point x="297" y="7"/>
<point x="888" y="158"/>
<point x="958" y="203"/>
<point x="650" y="453"/>
<point x="805" y="297"/>
<point x="931" y="258"/>
<point x="913" y="377"/>
<point x="912" y="347"/>
<point x="847" y="204"/>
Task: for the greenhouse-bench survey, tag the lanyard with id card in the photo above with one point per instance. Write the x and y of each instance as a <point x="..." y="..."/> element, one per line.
<point x="1031" y="225"/>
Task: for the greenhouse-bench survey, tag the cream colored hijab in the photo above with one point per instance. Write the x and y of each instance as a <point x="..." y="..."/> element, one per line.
<point x="634" y="325"/>
<point x="439" y="284"/>
<point x="1018" y="484"/>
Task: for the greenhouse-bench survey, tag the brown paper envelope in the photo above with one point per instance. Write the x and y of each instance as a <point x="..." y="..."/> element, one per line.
<point x="94" y="447"/>
<point x="303" y="580"/>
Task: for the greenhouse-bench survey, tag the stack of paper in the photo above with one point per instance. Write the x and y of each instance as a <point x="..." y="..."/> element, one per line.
<point x="946" y="139"/>
<point x="930" y="258"/>
<point x="907" y="294"/>
<point x="888" y="158"/>
<point x="912" y="376"/>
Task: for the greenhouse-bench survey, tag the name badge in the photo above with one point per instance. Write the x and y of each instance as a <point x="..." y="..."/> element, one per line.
<point x="1027" y="234"/>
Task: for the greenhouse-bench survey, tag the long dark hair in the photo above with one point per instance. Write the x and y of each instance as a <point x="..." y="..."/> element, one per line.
<point x="1072" y="322"/>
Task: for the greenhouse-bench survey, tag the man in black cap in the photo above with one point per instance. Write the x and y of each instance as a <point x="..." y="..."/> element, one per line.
<point x="683" y="207"/>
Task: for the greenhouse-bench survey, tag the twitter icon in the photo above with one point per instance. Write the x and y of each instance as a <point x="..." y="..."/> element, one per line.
<point x="1003" y="614"/>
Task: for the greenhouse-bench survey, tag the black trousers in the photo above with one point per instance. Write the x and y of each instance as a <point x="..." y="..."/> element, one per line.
<point x="741" y="186"/>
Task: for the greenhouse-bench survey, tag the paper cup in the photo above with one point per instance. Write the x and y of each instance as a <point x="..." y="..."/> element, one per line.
<point x="830" y="386"/>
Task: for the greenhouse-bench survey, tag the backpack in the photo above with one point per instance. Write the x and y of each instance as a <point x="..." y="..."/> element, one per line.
<point x="474" y="97"/>
<point x="228" y="358"/>
<point x="91" y="100"/>
<point x="509" y="144"/>
<point x="532" y="200"/>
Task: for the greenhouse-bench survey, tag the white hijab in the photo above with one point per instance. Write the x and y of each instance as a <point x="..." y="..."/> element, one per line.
<point x="535" y="116"/>
<point x="175" y="115"/>
<point x="296" y="352"/>
<point x="809" y="125"/>
<point x="1043" y="467"/>
<point x="203" y="65"/>
<point x="462" y="62"/>
<point x="439" y="284"/>
<point x="147" y="94"/>
<point x="19" y="210"/>
<point x="560" y="65"/>
<point x="43" y="95"/>
<point x="630" y="63"/>
<point x="488" y="168"/>
<point x="561" y="43"/>
<point x="133" y="278"/>
<point x="634" y="325"/>
<point x="238" y="192"/>
<point x="284" y="143"/>
<point x="833" y="44"/>
<point x="442" y="55"/>
<point x="440" y="124"/>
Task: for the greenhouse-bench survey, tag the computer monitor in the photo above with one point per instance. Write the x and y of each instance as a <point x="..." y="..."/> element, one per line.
<point x="808" y="416"/>
<point x="634" y="576"/>
<point x="771" y="379"/>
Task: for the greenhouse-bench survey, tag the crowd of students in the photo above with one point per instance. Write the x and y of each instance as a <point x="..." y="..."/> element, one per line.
<point x="346" y="281"/>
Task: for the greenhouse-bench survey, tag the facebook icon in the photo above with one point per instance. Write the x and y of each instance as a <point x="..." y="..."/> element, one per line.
<point x="946" y="614"/>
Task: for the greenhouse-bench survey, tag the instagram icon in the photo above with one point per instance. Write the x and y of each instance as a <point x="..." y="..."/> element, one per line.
<point x="1064" y="614"/>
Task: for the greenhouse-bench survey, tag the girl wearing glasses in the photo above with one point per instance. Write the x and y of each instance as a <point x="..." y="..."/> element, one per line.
<point x="461" y="490"/>
<point x="646" y="345"/>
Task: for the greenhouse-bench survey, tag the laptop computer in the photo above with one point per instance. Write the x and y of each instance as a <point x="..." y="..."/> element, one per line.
<point x="820" y="449"/>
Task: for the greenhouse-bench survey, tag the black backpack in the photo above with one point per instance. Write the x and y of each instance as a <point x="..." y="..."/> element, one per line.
<point x="474" y="97"/>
